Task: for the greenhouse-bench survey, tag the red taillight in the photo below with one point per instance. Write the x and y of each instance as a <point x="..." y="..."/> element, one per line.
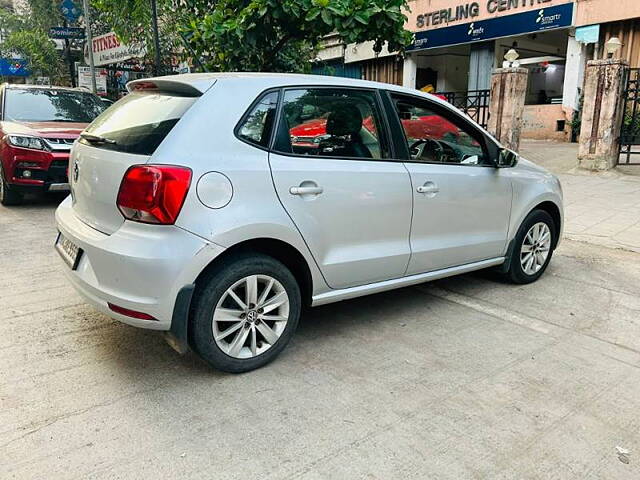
<point x="144" y="86"/>
<point x="130" y="313"/>
<point x="153" y="193"/>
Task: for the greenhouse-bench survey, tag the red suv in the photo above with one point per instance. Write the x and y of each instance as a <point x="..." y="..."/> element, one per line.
<point x="38" y="126"/>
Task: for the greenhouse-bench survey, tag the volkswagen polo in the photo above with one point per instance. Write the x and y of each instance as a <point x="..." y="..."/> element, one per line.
<point x="194" y="210"/>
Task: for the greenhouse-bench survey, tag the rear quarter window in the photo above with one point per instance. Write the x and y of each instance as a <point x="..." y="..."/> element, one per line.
<point x="257" y="124"/>
<point x="139" y="122"/>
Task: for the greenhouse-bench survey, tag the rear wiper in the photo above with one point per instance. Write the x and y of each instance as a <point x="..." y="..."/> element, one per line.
<point x="96" y="138"/>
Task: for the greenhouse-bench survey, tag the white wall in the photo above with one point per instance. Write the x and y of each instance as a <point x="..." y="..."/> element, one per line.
<point x="453" y="70"/>
<point x="574" y="74"/>
<point x="409" y="71"/>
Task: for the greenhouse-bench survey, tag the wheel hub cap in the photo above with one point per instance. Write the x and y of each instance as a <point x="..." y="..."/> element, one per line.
<point x="250" y="316"/>
<point x="535" y="248"/>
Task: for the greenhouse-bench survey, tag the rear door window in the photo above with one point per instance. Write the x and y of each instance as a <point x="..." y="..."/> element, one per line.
<point x="138" y="123"/>
<point x="332" y="122"/>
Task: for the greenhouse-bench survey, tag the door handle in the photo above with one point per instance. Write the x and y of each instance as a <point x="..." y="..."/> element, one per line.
<point x="315" y="190"/>
<point x="428" y="187"/>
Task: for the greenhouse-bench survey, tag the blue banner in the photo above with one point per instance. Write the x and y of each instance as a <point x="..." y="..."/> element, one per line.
<point x="526" y="22"/>
<point x="14" y="67"/>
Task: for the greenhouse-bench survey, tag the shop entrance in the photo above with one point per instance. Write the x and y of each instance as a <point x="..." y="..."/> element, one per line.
<point x="446" y="72"/>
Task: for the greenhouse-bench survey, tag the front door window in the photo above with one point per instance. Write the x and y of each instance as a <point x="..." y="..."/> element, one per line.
<point x="433" y="138"/>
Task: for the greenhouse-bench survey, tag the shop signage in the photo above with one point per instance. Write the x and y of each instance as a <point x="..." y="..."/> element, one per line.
<point x="70" y="10"/>
<point x="84" y="80"/>
<point x="69" y="33"/>
<point x="108" y="49"/>
<point x="549" y="18"/>
<point x="589" y="34"/>
<point x="14" y="67"/>
<point x="468" y="11"/>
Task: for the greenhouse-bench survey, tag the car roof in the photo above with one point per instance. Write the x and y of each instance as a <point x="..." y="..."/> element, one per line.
<point x="198" y="83"/>
<point x="263" y="80"/>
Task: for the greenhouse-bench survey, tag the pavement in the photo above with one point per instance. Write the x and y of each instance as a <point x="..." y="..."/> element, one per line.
<point x="600" y="208"/>
<point x="461" y="378"/>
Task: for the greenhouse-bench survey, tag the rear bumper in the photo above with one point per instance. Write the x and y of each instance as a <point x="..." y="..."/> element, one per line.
<point x="139" y="267"/>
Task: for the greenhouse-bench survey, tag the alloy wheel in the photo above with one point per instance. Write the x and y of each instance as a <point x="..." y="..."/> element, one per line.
<point x="535" y="248"/>
<point x="250" y="316"/>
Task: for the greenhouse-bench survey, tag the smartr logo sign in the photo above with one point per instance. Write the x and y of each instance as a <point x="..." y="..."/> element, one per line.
<point x="546" y="20"/>
<point x="475" y="31"/>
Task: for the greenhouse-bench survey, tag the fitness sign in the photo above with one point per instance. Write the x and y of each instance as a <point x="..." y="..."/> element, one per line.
<point x="108" y="49"/>
<point x="549" y="18"/>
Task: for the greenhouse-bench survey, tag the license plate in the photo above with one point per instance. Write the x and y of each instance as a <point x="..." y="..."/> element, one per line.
<point x="69" y="251"/>
<point x="59" y="187"/>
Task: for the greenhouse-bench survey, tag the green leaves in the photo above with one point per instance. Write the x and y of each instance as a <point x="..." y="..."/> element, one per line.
<point x="26" y="36"/>
<point x="262" y="35"/>
<point x="326" y="17"/>
<point x="312" y="14"/>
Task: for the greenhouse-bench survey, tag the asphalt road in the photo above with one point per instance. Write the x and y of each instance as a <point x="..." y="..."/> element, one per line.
<point x="462" y="378"/>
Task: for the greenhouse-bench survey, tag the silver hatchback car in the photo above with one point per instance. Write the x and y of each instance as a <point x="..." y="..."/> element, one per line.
<point x="214" y="207"/>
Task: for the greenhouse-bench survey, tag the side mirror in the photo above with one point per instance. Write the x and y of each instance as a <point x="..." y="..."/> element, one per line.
<point x="507" y="158"/>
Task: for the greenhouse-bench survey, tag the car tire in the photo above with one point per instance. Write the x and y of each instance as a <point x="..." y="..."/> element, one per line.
<point x="8" y="197"/>
<point x="532" y="251"/>
<point x="256" y="340"/>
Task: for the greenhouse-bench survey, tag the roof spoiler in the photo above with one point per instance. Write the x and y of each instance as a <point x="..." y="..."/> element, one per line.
<point x="164" y="85"/>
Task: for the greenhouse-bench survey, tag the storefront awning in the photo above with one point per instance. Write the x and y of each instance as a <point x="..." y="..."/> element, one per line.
<point x="549" y="18"/>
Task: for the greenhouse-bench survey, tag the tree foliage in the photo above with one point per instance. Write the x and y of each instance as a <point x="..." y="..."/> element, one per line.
<point x="264" y="35"/>
<point x="131" y="21"/>
<point x="257" y="35"/>
<point x="26" y="36"/>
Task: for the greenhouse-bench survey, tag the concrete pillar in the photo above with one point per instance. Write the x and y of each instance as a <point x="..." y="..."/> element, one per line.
<point x="601" y="114"/>
<point x="506" y="107"/>
<point x="409" y="71"/>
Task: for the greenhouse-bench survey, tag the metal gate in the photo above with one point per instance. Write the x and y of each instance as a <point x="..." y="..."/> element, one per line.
<point x="630" y="130"/>
<point x="474" y="103"/>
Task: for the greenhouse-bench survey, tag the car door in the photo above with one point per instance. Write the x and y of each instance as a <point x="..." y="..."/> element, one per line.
<point x="332" y="171"/>
<point x="462" y="202"/>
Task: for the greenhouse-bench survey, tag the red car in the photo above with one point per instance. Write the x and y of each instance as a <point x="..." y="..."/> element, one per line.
<point x="310" y="133"/>
<point x="38" y="126"/>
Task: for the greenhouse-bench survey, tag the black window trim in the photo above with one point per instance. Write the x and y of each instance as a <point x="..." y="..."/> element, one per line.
<point x="390" y="144"/>
<point x="457" y="119"/>
<point x="245" y="115"/>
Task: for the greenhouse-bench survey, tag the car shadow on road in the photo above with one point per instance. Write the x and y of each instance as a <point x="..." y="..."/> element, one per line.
<point x="44" y="200"/>
<point x="140" y="352"/>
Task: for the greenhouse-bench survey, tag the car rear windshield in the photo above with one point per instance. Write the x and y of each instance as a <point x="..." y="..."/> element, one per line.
<point x="49" y="105"/>
<point x="137" y="123"/>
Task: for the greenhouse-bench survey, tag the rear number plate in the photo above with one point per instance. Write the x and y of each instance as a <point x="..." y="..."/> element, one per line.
<point x="69" y="251"/>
